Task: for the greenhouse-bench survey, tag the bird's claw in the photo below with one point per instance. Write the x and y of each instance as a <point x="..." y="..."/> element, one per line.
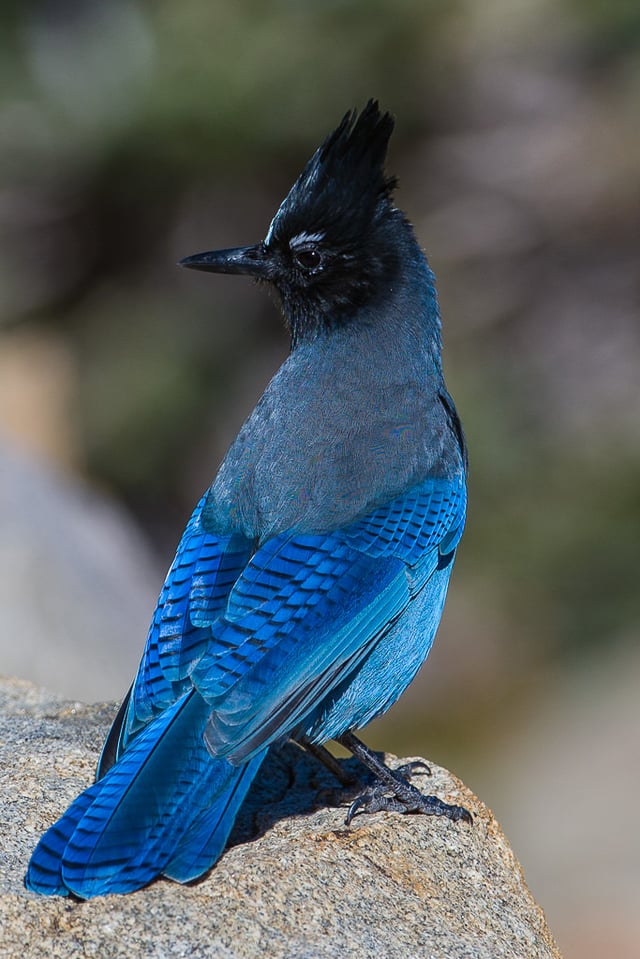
<point x="417" y="767"/>
<point x="374" y="800"/>
<point x="380" y="799"/>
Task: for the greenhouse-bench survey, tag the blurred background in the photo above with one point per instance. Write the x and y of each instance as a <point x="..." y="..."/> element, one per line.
<point x="135" y="132"/>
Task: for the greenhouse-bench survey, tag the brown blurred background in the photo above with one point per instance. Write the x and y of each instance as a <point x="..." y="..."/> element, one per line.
<point x="135" y="132"/>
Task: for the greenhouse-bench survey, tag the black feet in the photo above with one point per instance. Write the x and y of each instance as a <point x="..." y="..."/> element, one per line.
<point x="405" y="798"/>
<point x="392" y="792"/>
<point x="415" y="767"/>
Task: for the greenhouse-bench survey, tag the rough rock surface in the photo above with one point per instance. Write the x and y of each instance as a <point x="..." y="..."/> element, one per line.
<point x="295" y="882"/>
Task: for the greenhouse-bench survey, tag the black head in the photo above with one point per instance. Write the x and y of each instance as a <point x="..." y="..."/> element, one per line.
<point x="335" y="243"/>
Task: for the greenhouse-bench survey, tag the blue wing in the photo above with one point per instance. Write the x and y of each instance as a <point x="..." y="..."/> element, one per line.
<point x="243" y="650"/>
<point x="264" y="637"/>
<point x="309" y="608"/>
<point x="194" y="593"/>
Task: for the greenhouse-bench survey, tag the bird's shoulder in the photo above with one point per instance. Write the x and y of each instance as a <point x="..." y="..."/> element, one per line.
<point x="336" y="432"/>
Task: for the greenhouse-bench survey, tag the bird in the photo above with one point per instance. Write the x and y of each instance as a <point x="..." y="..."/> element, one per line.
<point x="310" y="580"/>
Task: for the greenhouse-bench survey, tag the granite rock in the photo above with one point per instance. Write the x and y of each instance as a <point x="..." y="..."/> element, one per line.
<point x="295" y="882"/>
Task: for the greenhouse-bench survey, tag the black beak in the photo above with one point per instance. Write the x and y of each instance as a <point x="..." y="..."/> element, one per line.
<point x="250" y="260"/>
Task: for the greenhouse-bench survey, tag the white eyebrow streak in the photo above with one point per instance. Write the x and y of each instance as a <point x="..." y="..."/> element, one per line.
<point x="302" y="238"/>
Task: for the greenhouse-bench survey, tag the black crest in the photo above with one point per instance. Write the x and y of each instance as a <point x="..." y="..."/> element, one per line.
<point x="344" y="182"/>
<point x="337" y="243"/>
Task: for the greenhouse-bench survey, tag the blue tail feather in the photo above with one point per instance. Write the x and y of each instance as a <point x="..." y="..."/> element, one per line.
<point x="166" y="807"/>
<point x="204" y="842"/>
<point x="45" y="869"/>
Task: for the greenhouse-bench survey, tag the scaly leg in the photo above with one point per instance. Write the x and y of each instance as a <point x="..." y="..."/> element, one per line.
<point x="404" y="797"/>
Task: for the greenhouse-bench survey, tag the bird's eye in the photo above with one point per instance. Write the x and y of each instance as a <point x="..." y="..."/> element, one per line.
<point x="308" y="259"/>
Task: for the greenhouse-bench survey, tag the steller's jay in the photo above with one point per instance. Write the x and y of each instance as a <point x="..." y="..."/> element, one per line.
<point x="310" y="580"/>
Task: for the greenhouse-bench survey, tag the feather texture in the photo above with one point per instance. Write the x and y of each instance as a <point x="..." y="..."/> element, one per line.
<point x="310" y="580"/>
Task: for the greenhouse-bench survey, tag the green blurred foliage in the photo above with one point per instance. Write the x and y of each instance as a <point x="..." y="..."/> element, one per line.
<point x="612" y="28"/>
